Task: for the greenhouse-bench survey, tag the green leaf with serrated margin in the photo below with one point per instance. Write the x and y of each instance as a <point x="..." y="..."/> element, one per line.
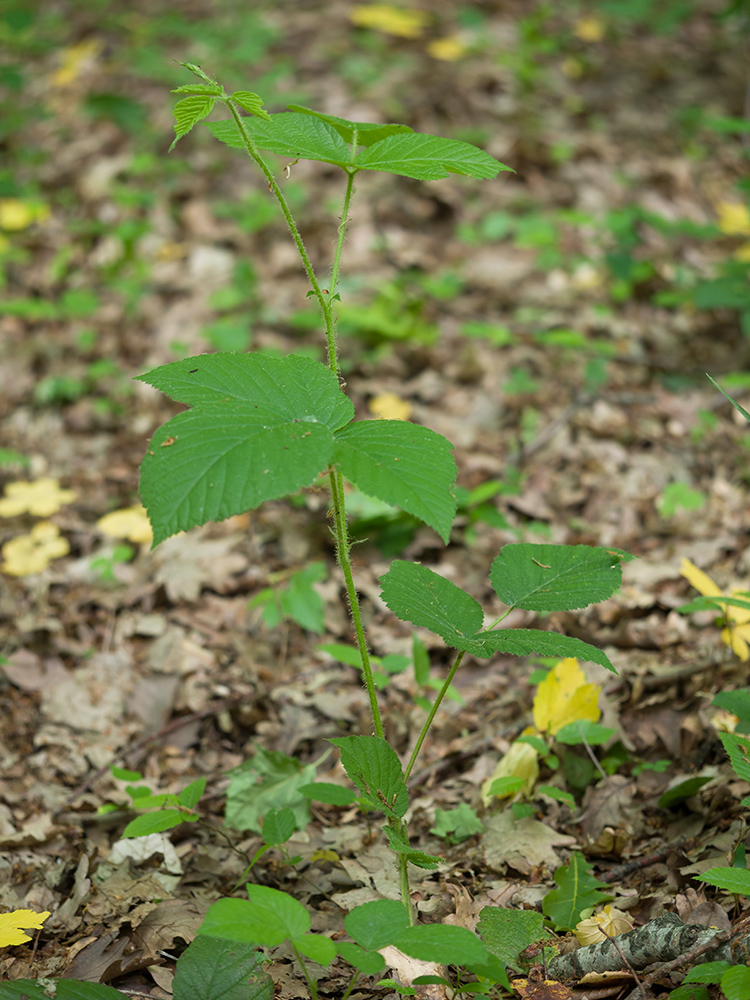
<point x="278" y="825"/>
<point x="373" y="925"/>
<point x="326" y="791"/>
<point x="577" y="890"/>
<point x="188" y="112"/>
<point x="402" y="464"/>
<point x="251" y="102"/>
<point x="261" y="428"/>
<point x="555" y="577"/>
<point x="417" y="594"/>
<point x="442" y="943"/>
<point x="428" y="157"/>
<point x="738" y="749"/>
<point x="155" y="822"/>
<point x="367" y="132"/>
<point x="735" y="983"/>
<point x="528" y="641"/>
<point x="288" y="134"/>
<point x="200" y="89"/>
<point x="412" y="854"/>
<point x="65" y="989"/>
<point x="212" y="967"/>
<point x="735" y="880"/>
<point x="507" y="932"/>
<point x="374" y="768"/>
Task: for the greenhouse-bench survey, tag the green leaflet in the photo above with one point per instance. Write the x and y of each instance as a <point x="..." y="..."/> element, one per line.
<point x="366" y="133"/>
<point x="403" y="464"/>
<point x="508" y="932"/>
<point x="212" y="967"/>
<point x="307" y="135"/>
<point x="373" y="766"/>
<point x="373" y="925"/>
<point x="578" y="890"/>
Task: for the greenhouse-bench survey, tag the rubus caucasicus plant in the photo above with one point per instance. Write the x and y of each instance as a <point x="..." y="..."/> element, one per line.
<point x="260" y="428"/>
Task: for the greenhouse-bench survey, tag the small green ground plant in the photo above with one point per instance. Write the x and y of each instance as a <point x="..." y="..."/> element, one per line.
<point x="259" y="428"/>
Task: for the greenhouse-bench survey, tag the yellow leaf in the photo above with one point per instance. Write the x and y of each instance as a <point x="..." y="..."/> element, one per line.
<point x="75" y="59"/>
<point x="589" y="29"/>
<point x="130" y="522"/>
<point x="519" y="762"/>
<point x="743" y="253"/>
<point x="389" y="406"/>
<point x="324" y="855"/>
<point x="564" y="696"/>
<point x="608" y="923"/>
<point x="700" y="580"/>
<point x="32" y="553"/>
<point x="737" y="634"/>
<point x="41" y="498"/>
<point x="390" y="20"/>
<point x="11" y="925"/>
<point x="448" y="49"/>
<point x="736" y="638"/>
<point x="19" y="213"/>
<point x="734" y="218"/>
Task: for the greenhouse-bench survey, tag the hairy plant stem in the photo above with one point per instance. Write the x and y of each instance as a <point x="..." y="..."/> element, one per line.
<point x="433" y="712"/>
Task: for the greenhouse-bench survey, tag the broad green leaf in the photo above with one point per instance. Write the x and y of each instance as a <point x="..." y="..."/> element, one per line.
<point x="188" y="112"/>
<point x="299" y="136"/>
<point x="417" y="594"/>
<point x="706" y="972"/>
<point x="325" y="791"/>
<point x="442" y="943"/>
<point x="267" y="918"/>
<point x="738" y="749"/>
<point x="65" y="989"/>
<point x="583" y="731"/>
<point x="403" y="464"/>
<point x="269" y="780"/>
<point x="578" y="890"/>
<point x="735" y="983"/>
<point x="317" y="947"/>
<point x="368" y="962"/>
<point x="260" y="428"/>
<point x="531" y="641"/>
<point x="374" y="768"/>
<point x="155" y="822"/>
<point x="736" y="880"/>
<point x="508" y="932"/>
<point x="555" y="577"/>
<point x="191" y="795"/>
<point x="681" y="791"/>
<point x="366" y="132"/>
<point x="251" y="102"/>
<point x="212" y="967"/>
<point x="412" y="854"/>
<point x="278" y="825"/>
<point x="376" y="924"/>
<point x="428" y="157"/>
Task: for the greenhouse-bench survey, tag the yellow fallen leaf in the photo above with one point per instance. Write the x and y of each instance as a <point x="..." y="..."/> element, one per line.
<point x="74" y="59"/>
<point x="743" y="253"/>
<point x="20" y="213"/>
<point x="447" y="49"/>
<point x="589" y="29"/>
<point x="40" y="498"/>
<point x="389" y="406"/>
<point x="130" y="522"/>
<point x="521" y="761"/>
<point x="608" y="923"/>
<point x="12" y="924"/>
<point x="32" y="553"/>
<point x="322" y="854"/>
<point x="390" y="20"/>
<point x="737" y="634"/>
<point x="564" y="696"/>
<point x="734" y="218"/>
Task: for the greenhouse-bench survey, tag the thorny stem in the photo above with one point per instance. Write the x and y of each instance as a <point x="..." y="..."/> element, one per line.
<point x="433" y="712"/>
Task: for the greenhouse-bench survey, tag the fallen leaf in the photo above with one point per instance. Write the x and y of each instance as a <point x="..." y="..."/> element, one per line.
<point x="74" y="59"/>
<point x="32" y="553"/>
<point x="564" y="697"/>
<point x="607" y="923"/>
<point x="40" y="498"/>
<point x="589" y="29"/>
<point x="12" y="926"/>
<point x="20" y="213"/>
<point x="447" y="49"/>
<point x="734" y="218"/>
<point x="390" y="20"/>
<point x="130" y="522"/>
<point x="389" y="406"/>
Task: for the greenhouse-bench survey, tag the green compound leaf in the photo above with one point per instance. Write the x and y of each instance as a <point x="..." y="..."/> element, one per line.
<point x="417" y="594"/>
<point x="578" y="890"/>
<point x="188" y="112"/>
<point x="373" y="766"/>
<point x="366" y="133"/>
<point x="212" y="967"/>
<point x="555" y="577"/>
<point x="428" y="158"/>
<point x="267" y="918"/>
<point x="402" y="464"/>
<point x="299" y="136"/>
<point x="376" y="924"/>
<point x="251" y="102"/>
<point x="261" y="428"/>
<point x="508" y="932"/>
<point x="531" y="641"/>
<point x="736" y="880"/>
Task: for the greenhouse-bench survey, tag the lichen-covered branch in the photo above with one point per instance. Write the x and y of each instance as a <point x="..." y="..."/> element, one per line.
<point x="660" y="940"/>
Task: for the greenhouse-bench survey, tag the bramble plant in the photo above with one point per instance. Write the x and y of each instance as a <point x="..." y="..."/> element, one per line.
<point x="260" y="428"/>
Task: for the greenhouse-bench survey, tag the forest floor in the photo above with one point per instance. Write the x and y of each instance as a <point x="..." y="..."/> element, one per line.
<point x="556" y="324"/>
